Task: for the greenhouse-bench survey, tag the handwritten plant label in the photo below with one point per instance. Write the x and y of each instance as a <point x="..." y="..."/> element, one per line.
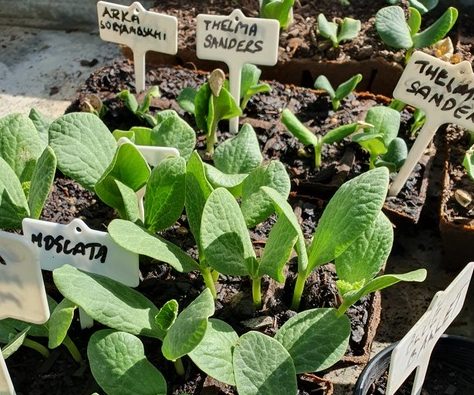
<point x="6" y="385"/>
<point x="236" y="40"/>
<point x="445" y="92"/>
<point x="78" y="245"/>
<point x="139" y="29"/>
<point x="414" y="350"/>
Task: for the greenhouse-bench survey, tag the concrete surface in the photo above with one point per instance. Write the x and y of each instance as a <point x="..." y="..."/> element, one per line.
<point x="43" y="68"/>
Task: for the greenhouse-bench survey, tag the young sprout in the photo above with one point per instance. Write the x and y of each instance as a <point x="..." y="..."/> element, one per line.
<point x="281" y="10"/>
<point x="468" y="162"/>
<point x="140" y="110"/>
<point x="249" y="85"/>
<point x="421" y="5"/>
<point x="397" y="32"/>
<point x="348" y="29"/>
<point x="342" y="90"/>
<point x="94" y="105"/>
<point x="306" y="137"/>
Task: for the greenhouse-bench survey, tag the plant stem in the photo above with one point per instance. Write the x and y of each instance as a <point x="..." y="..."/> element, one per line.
<point x="298" y="292"/>
<point x="211" y="139"/>
<point x="215" y="275"/>
<point x="257" y="292"/>
<point x="209" y="281"/>
<point x="37" y="347"/>
<point x="69" y="344"/>
<point x="178" y="365"/>
<point x="317" y="155"/>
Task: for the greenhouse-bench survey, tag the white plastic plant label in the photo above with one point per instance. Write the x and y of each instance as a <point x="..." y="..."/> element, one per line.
<point x="236" y="40"/>
<point x="414" y="350"/>
<point x="139" y="29"/>
<point x="152" y="154"/>
<point x="22" y="293"/>
<point x="78" y="245"/>
<point x="6" y="385"/>
<point x="445" y="92"/>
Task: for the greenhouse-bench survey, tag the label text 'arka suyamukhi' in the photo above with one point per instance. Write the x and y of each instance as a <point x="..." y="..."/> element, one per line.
<point x="126" y="22"/>
<point x="94" y="251"/>
<point x="456" y="96"/>
<point x="216" y="40"/>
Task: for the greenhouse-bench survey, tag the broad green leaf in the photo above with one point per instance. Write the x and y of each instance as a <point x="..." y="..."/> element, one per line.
<point x="175" y="132"/>
<point x="130" y="168"/>
<point x="327" y="29"/>
<point x="167" y="315"/>
<point x="221" y="107"/>
<point x="347" y="87"/>
<point x="165" y="192"/>
<point x="59" y="322"/>
<point x="41" y="122"/>
<point x="423" y="5"/>
<point x="352" y="209"/>
<point x="129" y="100"/>
<point x="41" y="182"/>
<point x="144" y="107"/>
<point x="109" y="302"/>
<point x="380" y="283"/>
<point x="201" y="106"/>
<point x="349" y="29"/>
<point x="259" y="88"/>
<point x="189" y="328"/>
<point x="468" y="162"/>
<point x="256" y="205"/>
<point x="135" y="239"/>
<point x="364" y="258"/>
<point x="278" y="248"/>
<point x="7" y="330"/>
<point x="437" y="30"/>
<point x="198" y="190"/>
<point x="186" y="99"/>
<point x="283" y="208"/>
<point x="119" y="365"/>
<point x="231" y="182"/>
<point x="213" y="355"/>
<point x="15" y="343"/>
<point x="118" y="134"/>
<point x="385" y="121"/>
<point x="414" y="21"/>
<point x="392" y="27"/>
<point x="129" y="209"/>
<point x="14" y="206"/>
<point x="224" y="237"/>
<point x="262" y="366"/>
<point x="20" y="144"/>
<point x="371" y="142"/>
<point x="339" y="133"/>
<point x="83" y="146"/>
<point x="281" y="10"/>
<point x="250" y="75"/>
<point x="142" y="135"/>
<point x="316" y="339"/>
<point x="297" y="129"/>
<point x="323" y="83"/>
<point x="239" y="154"/>
<point x="397" y="152"/>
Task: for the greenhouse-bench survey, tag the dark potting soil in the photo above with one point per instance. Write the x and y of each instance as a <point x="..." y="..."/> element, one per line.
<point x="442" y="378"/>
<point x="341" y="161"/>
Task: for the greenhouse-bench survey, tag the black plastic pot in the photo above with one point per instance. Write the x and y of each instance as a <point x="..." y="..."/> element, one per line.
<point x="458" y="351"/>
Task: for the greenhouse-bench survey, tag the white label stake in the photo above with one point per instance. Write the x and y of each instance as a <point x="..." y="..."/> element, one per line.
<point x="6" y="385"/>
<point x="236" y="40"/>
<point x="445" y="92"/>
<point x="414" y="350"/>
<point x="139" y="29"/>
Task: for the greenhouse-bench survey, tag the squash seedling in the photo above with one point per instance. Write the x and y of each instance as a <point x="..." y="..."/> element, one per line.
<point x="249" y="84"/>
<point x="27" y="168"/>
<point x="140" y="110"/>
<point x="380" y="139"/>
<point x="423" y="6"/>
<point x="281" y="10"/>
<point x="342" y="91"/>
<point x="349" y="216"/>
<point x="468" y="162"/>
<point x="347" y="30"/>
<point x="397" y="32"/>
<point x="307" y="137"/>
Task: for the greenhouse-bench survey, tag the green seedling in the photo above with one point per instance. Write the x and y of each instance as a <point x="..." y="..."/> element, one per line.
<point x="347" y="226"/>
<point x="468" y="162"/>
<point x="398" y="32"/>
<point x="27" y="168"/>
<point x="341" y="91"/>
<point x="419" y="119"/>
<point x="380" y="139"/>
<point x="141" y="110"/>
<point x="281" y="10"/>
<point x="93" y="104"/>
<point x="308" y="138"/>
<point x="249" y="85"/>
<point x="423" y="6"/>
<point x="347" y="30"/>
<point x="16" y="333"/>
<point x="125" y="310"/>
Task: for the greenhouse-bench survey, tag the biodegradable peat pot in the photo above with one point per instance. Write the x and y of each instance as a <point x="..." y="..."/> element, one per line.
<point x="456" y="222"/>
<point x="341" y="161"/>
<point x="452" y="361"/>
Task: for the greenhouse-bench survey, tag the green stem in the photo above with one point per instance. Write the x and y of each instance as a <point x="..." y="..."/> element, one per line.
<point x="178" y="365"/>
<point x="69" y="344"/>
<point x="298" y="292"/>
<point x="215" y="275"/>
<point x="317" y="155"/>
<point x="211" y="139"/>
<point x="37" y="347"/>
<point x="257" y="291"/>
<point x="342" y="309"/>
<point x="209" y="281"/>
